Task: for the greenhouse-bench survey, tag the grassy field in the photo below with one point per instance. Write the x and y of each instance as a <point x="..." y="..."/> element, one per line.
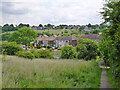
<point x="59" y="31"/>
<point x="45" y="73"/>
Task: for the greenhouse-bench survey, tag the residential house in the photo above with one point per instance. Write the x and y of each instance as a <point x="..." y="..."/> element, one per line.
<point x="45" y="40"/>
<point x="55" y="41"/>
<point x="61" y="41"/>
<point x="95" y="37"/>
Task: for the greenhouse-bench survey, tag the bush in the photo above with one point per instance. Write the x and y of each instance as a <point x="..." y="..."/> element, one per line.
<point x="59" y="48"/>
<point x="87" y="49"/>
<point x="25" y="54"/>
<point x="68" y="52"/>
<point x="56" y="47"/>
<point x="33" y="51"/>
<point x="38" y="46"/>
<point x="11" y="48"/>
<point x="48" y="46"/>
<point x="82" y="51"/>
<point x="44" y="54"/>
<point x="50" y="49"/>
<point x="30" y="45"/>
<point x="35" y="54"/>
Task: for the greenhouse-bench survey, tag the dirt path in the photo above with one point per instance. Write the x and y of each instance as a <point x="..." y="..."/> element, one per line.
<point x="104" y="79"/>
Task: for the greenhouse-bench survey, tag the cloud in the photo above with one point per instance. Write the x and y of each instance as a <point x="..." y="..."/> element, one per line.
<point x="10" y="8"/>
<point x="52" y="11"/>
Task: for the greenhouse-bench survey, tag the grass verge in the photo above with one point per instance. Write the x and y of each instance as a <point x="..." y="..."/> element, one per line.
<point x="112" y="80"/>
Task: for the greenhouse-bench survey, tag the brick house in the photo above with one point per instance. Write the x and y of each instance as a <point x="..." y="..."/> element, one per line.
<point x="55" y="41"/>
<point x="95" y="37"/>
<point x="66" y="40"/>
<point x="45" y="40"/>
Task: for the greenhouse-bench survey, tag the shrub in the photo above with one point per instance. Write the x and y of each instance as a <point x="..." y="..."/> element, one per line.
<point x="25" y="54"/>
<point x="56" y="47"/>
<point x="30" y="45"/>
<point x="44" y="53"/>
<point x="59" y="48"/>
<point x="48" y="46"/>
<point x="50" y="49"/>
<point x="38" y="46"/>
<point x="82" y="51"/>
<point x="68" y="52"/>
<point x="11" y="48"/>
<point x="33" y="51"/>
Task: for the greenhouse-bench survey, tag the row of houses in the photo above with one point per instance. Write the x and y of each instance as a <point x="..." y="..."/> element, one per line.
<point x="61" y="41"/>
<point x="56" y="41"/>
<point x="62" y="27"/>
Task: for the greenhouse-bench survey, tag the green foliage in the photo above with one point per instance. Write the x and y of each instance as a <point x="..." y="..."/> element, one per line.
<point x="38" y="46"/>
<point x="59" y="48"/>
<point x="35" y="54"/>
<point x="24" y="35"/>
<point x="109" y="47"/>
<point x="50" y="49"/>
<point x="5" y="36"/>
<point x="44" y="54"/>
<point x="82" y="51"/>
<point x="66" y="34"/>
<point x="68" y="52"/>
<point x="81" y="28"/>
<point x="30" y="46"/>
<point x="48" y="46"/>
<point x="97" y="31"/>
<point x="11" y="47"/>
<point x="25" y="54"/>
<point x="87" y="49"/>
<point x="7" y="28"/>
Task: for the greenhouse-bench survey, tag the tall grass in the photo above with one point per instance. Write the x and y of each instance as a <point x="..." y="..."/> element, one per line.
<point x="45" y="73"/>
<point x="111" y="79"/>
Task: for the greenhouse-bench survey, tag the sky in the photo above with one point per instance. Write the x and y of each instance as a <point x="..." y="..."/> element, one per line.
<point x="35" y="12"/>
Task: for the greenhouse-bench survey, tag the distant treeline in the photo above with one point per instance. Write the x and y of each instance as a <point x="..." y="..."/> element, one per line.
<point x="11" y="27"/>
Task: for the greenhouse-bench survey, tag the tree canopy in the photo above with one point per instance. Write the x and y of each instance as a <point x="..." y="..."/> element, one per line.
<point x="24" y="35"/>
<point x="110" y="45"/>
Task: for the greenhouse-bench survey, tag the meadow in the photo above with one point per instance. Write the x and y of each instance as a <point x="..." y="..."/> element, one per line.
<point x="49" y="73"/>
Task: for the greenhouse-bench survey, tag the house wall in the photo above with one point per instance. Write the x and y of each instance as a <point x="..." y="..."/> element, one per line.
<point x="62" y="43"/>
<point x="51" y="43"/>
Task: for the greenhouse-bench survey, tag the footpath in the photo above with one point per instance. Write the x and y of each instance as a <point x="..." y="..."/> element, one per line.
<point x="104" y="79"/>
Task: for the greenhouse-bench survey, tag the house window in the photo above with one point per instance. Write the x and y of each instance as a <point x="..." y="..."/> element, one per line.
<point x="60" y="41"/>
<point x="66" y="41"/>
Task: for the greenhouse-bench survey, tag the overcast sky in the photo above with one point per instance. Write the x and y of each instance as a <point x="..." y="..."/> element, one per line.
<point x="56" y="12"/>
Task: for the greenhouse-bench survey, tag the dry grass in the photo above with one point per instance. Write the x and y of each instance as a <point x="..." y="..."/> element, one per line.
<point x="45" y="73"/>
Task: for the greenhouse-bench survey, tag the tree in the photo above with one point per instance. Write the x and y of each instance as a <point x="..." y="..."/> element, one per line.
<point x="89" y="25"/>
<point x="40" y="25"/>
<point x="11" y="48"/>
<point x="81" y="28"/>
<point x="68" y="52"/>
<point x="87" y="48"/>
<point x="5" y="36"/>
<point x="110" y="45"/>
<point x="24" y="35"/>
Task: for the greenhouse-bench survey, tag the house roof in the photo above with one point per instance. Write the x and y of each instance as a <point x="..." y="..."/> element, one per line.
<point x="67" y="38"/>
<point x="92" y="36"/>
